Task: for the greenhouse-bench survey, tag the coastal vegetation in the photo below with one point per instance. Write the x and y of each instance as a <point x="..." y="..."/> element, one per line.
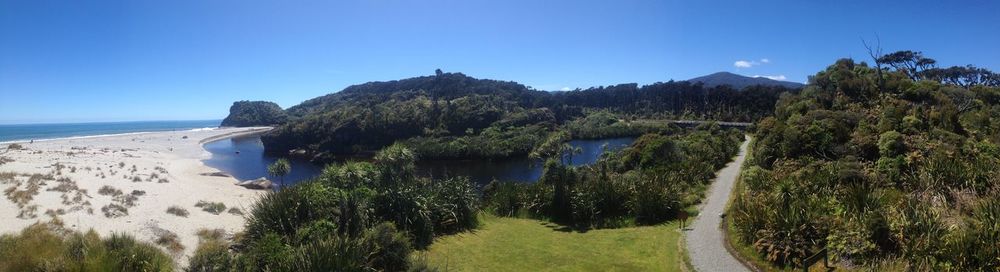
<point x="50" y="247"/>
<point x="451" y="115"/>
<point x="893" y="166"/>
<point x="254" y="113"/>
<point x="647" y="183"/>
<point x="354" y="216"/>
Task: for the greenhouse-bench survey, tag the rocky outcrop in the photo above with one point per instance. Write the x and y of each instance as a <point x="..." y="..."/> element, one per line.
<point x="254" y="113"/>
<point x="256" y="184"/>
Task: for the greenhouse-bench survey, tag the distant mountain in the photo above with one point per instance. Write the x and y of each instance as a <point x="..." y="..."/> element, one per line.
<point x="740" y="82"/>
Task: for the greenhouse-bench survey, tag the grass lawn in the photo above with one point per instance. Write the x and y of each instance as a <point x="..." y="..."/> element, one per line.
<point x="514" y="244"/>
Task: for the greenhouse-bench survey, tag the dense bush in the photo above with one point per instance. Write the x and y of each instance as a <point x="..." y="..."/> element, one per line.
<point x="646" y="183"/>
<point x="881" y="171"/>
<point x="254" y="113"/>
<point x="356" y="216"/>
<point x="43" y="247"/>
<point x="451" y="115"/>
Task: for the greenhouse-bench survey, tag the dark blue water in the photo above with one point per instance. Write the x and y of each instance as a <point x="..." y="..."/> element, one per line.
<point x="52" y="131"/>
<point x="252" y="163"/>
<point x="519" y="169"/>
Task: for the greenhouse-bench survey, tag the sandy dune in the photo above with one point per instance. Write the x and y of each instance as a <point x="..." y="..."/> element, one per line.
<point x="153" y="171"/>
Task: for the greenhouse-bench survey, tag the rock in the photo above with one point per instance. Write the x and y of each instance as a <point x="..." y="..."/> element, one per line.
<point x="257" y="184"/>
<point x="216" y="174"/>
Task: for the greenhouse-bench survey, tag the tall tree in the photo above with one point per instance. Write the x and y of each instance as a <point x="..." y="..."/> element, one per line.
<point x="912" y="63"/>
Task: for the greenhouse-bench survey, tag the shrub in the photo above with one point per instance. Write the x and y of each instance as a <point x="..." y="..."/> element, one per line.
<point x="130" y="255"/>
<point x="43" y="247"/>
<point x="334" y="253"/>
<point x="114" y="210"/>
<point x="269" y="253"/>
<point x="283" y="212"/>
<point x="211" y="255"/>
<point x="453" y="204"/>
<point x="504" y="198"/>
<point x="655" y="201"/>
<point x="390" y="249"/>
<point x="169" y="240"/>
<point x="178" y="211"/>
<point x="109" y="191"/>
<point x="215" y="208"/>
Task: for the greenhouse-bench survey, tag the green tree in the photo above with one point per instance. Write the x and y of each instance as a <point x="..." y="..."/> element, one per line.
<point x="280" y="169"/>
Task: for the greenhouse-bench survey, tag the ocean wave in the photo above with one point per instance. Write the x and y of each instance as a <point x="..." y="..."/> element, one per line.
<point x="204" y="129"/>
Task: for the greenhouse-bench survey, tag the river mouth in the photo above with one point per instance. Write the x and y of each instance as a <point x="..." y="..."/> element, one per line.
<point x="244" y="158"/>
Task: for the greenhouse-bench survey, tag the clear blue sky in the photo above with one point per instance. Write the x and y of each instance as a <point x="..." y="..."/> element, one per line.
<point x="84" y="61"/>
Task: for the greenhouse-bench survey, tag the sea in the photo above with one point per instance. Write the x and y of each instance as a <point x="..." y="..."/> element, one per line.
<point x="28" y="132"/>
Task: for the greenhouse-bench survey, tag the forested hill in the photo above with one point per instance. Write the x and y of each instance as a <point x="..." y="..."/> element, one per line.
<point x="740" y="82"/>
<point x="459" y="113"/>
<point x="254" y="113"/>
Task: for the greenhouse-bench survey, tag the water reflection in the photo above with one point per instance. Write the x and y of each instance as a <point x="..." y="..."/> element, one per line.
<point x="251" y="162"/>
<point x="518" y="169"/>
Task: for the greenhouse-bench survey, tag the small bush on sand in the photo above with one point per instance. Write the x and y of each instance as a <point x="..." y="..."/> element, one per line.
<point x="211" y="207"/>
<point x="178" y="211"/>
<point x="211" y="234"/>
<point x="109" y="191"/>
<point x="114" y="210"/>
<point x="15" y="146"/>
<point x="170" y="241"/>
<point x="235" y="211"/>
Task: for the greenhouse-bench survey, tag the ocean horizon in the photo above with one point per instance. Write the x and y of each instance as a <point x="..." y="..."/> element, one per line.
<point x="49" y="131"/>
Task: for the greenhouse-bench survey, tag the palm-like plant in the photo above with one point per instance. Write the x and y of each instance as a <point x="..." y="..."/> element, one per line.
<point x="280" y="169"/>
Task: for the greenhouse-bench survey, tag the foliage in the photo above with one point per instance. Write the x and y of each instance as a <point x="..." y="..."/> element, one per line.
<point x="42" y="247"/>
<point x="605" y="124"/>
<point x="280" y="169"/>
<point x="646" y="183"/>
<point x="254" y="113"/>
<point x="455" y="116"/>
<point x="873" y="166"/>
<point x="356" y="216"/>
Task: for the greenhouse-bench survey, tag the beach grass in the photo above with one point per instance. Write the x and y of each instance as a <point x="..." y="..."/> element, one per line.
<point x="43" y="247"/>
<point x="516" y="244"/>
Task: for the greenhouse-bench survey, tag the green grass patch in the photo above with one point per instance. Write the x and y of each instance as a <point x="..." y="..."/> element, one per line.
<point x="515" y="244"/>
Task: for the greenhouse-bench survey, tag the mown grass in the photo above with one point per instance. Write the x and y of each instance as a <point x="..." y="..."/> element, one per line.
<point x="515" y="244"/>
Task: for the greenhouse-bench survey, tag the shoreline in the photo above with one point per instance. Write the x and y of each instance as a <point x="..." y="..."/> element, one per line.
<point x="145" y="174"/>
<point x="19" y="141"/>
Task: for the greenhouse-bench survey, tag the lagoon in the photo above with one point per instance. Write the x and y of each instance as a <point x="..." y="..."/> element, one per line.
<point x="251" y="162"/>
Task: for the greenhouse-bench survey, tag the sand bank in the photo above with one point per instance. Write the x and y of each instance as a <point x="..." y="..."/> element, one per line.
<point x="142" y="174"/>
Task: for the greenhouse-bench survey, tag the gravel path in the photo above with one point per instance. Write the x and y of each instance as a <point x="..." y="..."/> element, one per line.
<point x="705" y="242"/>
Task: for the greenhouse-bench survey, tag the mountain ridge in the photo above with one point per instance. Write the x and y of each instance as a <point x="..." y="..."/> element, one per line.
<point x="740" y="81"/>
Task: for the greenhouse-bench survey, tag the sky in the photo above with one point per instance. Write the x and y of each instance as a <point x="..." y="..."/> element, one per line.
<point x="93" y="61"/>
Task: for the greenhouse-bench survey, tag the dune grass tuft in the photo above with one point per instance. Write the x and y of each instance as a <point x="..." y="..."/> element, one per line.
<point x="178" y="211"/>
<point x="215" y="208"/>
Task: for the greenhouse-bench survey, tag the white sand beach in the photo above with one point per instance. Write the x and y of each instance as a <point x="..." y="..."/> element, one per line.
<point x="153" y="172"/>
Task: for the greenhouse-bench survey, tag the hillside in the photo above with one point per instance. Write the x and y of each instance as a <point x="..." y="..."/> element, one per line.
<point x="462" y="117"/>
<point x="894" y="170"/>
<point x="740" y="82"/>
<point x="254" y="113"/>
